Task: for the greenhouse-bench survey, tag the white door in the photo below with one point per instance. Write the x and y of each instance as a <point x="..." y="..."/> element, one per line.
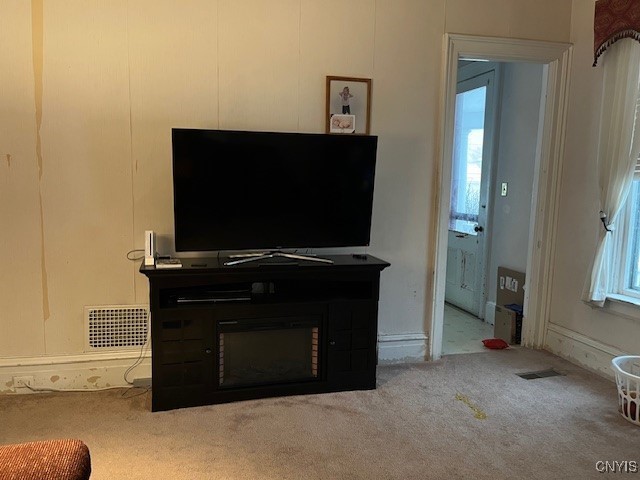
<point x="472" y="154"/>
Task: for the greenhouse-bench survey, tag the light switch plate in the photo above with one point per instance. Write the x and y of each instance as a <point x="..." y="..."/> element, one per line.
<point x="503" y="191"/>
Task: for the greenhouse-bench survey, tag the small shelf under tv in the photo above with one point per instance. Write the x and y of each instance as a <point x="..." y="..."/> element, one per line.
<point x="197" y="308"/>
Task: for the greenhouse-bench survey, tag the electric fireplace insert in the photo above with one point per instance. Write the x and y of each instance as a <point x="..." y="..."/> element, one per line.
<point x="267" y="351"/>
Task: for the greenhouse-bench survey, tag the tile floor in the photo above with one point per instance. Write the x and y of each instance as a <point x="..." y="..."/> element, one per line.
<point x="463" y="333"/>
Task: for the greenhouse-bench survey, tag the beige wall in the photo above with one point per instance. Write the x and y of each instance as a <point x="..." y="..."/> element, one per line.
<point x="116" y="75"/>
<point x="587" y="335"/>
<point x="521" y="86"/>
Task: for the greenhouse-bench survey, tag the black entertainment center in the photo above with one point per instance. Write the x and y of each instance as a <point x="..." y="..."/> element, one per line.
<point x="269" y="320"/>
<point x="225" y="333"/>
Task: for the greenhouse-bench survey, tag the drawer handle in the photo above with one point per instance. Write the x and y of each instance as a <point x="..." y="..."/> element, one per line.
<point x="208" y="351"/>
<point x="332" y="342"/>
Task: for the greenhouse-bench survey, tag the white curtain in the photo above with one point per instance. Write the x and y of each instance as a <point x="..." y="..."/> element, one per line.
<point x="618" y="149"/>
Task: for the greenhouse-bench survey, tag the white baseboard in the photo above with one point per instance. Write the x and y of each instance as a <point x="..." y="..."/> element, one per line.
<point x="405" y="348"/>
<point x="99" y="370"/>
<point x="581" y="350"/>
<point x="490" y="313"/>
<point x="91" y="371"/>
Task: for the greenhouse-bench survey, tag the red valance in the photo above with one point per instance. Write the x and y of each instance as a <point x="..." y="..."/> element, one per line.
<point x="614" y="20"/>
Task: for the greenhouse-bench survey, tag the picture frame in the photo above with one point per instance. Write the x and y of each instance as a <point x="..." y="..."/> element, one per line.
<point x="342" y="123"/>
<point x="348" y="98"/>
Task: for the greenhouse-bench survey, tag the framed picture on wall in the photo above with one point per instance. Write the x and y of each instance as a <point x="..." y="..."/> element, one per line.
<point x="348" y="98"/>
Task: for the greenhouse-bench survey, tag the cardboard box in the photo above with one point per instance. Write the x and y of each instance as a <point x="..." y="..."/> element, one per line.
<point x="508" y="321"/>
<point x="508" y="325"/>
<point x="510" y="287"/>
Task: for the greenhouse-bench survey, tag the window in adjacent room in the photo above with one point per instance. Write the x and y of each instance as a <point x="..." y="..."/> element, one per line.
<point x="469" y="135"/>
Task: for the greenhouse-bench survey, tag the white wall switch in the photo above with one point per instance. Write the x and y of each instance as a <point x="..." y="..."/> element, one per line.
<point x="503" y="191"/>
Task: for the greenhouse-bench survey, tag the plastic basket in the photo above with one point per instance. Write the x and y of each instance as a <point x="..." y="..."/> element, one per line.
<point x="627" y="370"/>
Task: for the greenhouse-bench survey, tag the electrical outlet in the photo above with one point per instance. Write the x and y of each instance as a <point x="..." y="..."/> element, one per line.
<point x="23" y="382"/>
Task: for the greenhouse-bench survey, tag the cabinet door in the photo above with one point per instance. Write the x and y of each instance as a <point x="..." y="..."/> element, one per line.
<point x="183" y="349"/>
<point x="352" y="339"/>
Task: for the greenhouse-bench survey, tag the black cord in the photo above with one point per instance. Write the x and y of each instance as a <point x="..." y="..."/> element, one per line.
<point x="125" y="396"/>
<point x="139" y="359"/>
<point x="137" y="362"/>
<point x="134" y="259"/>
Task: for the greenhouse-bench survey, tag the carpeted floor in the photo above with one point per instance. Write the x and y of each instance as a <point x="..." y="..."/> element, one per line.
<point x="466" y="416"/>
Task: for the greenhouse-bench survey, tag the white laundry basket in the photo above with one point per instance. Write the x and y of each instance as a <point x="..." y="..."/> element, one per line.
<point x="627" y="370"/>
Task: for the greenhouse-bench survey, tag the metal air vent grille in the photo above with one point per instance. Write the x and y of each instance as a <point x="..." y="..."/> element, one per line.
<point x="116" y="327"/>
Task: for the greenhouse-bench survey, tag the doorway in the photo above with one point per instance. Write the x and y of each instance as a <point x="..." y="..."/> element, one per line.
<point x="497" y="120"/>
<point x="477" y="97"/>
<point x="555" y="60"/>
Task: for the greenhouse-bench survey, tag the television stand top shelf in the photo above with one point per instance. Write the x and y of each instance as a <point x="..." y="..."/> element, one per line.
<point x="202" y="282"/>
<point x="216" y="265"/>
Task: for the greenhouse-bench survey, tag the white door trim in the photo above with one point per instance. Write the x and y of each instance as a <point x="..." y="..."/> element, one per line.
<point x="557" y="58"/>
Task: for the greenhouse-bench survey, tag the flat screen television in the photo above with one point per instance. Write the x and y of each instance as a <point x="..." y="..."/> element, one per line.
<point x="237" y="190"/>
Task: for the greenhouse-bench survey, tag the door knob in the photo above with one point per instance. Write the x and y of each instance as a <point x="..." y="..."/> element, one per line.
<point x="478" y="228"/>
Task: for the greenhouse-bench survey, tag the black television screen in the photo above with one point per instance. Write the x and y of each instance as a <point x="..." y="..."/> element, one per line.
<point x="237" y="190"/>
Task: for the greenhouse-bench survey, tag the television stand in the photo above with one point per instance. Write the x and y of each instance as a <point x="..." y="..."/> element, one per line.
<point x="256" y="257"/>
<point x="224" y="333"/>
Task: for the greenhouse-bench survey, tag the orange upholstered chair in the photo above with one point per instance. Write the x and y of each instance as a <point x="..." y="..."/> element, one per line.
<point x="49" y="459"/>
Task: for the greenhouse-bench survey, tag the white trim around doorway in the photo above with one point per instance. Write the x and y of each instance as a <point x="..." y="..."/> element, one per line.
<point x="556" y="57"/>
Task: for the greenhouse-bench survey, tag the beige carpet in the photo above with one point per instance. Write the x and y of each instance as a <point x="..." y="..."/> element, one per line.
<point x="421" y="423"/>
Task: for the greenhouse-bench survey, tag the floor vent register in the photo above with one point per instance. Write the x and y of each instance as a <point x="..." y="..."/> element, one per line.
<point x="540" y="374"/>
